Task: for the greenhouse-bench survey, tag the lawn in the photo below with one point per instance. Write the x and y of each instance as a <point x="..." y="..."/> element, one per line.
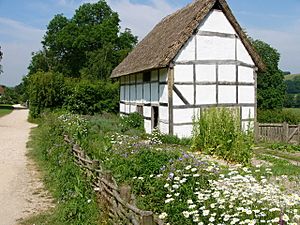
<point x="5" y="109"/>
<point x="291" y="76"/>
<point x="179" y="185"/>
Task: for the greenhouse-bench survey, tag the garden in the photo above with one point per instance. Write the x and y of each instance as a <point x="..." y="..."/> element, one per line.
<point x="220" y="180"/>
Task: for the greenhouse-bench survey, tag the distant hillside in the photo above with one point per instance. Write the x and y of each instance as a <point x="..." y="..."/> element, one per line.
<point x="291" y="76"/>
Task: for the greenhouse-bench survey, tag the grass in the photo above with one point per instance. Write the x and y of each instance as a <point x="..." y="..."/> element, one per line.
<point x="291" y="76"/>
<point x="5" y="109"/>
<point x="280" y="154"/>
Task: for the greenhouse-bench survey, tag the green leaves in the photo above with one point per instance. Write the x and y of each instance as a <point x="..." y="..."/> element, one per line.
<point x="270" y="84"/>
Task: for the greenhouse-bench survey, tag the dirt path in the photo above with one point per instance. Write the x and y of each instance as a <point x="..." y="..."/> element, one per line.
<point x="21" y="192"/>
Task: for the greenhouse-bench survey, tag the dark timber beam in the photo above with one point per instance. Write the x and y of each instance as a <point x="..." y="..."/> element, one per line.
<point x="170" y="97"/>
<point x="179" y="94"/>
<point x="216" y="34"/>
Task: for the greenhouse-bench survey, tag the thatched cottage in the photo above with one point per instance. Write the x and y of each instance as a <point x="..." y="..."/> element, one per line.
<point x="196" y="58"/>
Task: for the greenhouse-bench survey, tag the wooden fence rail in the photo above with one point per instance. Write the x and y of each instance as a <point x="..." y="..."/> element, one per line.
<point x="118" y="200"/>
<point x="278" y="133"/>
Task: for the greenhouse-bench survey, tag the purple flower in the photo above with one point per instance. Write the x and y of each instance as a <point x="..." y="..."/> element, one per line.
<point x="171" y="175"/>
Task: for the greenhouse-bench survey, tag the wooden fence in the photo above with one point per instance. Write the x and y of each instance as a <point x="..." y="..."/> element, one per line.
<point x="278" y="133"/>
<point x="119" y="202"/>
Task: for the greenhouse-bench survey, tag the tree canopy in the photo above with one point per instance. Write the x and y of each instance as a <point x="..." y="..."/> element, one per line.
<point x="270" y="84"/>
<point x="90" y="44"/>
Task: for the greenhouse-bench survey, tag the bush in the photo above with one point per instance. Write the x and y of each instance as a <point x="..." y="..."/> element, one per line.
<point x="46" y="90"/>
<point x="217" y="131"/>
<point x="133" y="120"/>
<point x="87" y="97"/>
<point x="291" y="116"/>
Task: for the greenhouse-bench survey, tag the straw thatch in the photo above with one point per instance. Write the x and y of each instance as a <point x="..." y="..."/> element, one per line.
<point x="162" y="44"/>
<point x="2" y="89"/>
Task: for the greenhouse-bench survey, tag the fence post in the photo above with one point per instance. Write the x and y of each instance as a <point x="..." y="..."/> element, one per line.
<point x="256" y="132"/>
<point x="125" y="193"/>
<point x="285" y="132"/>
<point x="147" y="219"/>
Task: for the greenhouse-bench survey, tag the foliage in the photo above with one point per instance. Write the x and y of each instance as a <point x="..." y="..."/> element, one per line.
<point x="291" y="116"/>
<point x="10" y="96"/>
<point x="87" y="97"/>
<point x="270" y="84"/>
<point x="89" y="44"/>
<point x="180" y="187"/>
<point x="5" y="109"/>
<point x="46" y="90"/>
<point x="169" y="139"/>
<point x="76" y="202"/>
<point x="217" y="131"/>
<point x="133" y="120"/>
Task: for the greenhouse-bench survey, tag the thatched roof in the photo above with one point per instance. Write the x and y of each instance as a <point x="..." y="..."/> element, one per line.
<point x="162" y="44"/>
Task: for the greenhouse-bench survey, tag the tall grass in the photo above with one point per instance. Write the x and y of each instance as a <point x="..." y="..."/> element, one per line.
<point x="217" y="131"/>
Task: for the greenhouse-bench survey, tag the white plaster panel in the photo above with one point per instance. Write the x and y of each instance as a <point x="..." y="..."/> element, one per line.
<point x="147" y="111"/>
<point x="126" y="92"/>
<point x="163" y="128"/>
<point x="246" y="94"/>
<point x="227" y="73"/>
<point x="246" y="74"/>
<point x="122" y="93"/>
<point x="183" y="115"/>
<point x="248" y="125"/>
<point x="216" y="21"/>
<point x="206" y="94"/>
<point x="154" y="92"/>
<point x="127" y="109"/>
<point x="227" y="94"/>
<point x="122" y="108"/>
<point x="215" y="48"/>
<point x="206" y="73"/>
<point x="139" y="77"/>
<point x="139" y="93"/>
<point x="154" y="75"/>
<point x="183" y="73"/>
<point x="163" y="75"/>
<point x="148" y="127"/>
<point x="187" y="91"/>
<point x="147" y="92"/>
<point x="188" y="51"/>
<point x="242" y="53"/>
<point x="132" y="93"/>
<point x="163" y="113"/>
<point x="163" y="91"/>
<point x="177" y="100"/>
<point x="183" y="131"/>
<point x="247" y="113"/>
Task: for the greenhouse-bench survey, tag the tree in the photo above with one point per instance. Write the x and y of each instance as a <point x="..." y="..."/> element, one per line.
<point x="1" y="55"/>
<point x="89" y="44"/>
<point x="270" y="84"/>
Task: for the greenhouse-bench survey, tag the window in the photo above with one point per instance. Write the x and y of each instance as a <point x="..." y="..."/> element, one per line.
<point x="139" y="109"/>
<point x="147" y="76"/>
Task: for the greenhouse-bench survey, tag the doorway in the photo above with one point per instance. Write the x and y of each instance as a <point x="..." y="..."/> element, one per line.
<point x="154" y="117"/>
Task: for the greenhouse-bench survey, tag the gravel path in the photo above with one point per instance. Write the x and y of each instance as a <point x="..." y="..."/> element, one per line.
<point x="21" y="191"/>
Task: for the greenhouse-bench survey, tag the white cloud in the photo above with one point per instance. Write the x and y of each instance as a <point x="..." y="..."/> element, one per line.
<point x="286" y="42"/>
<point x="18" y="41"/>
<point x="141" y="18"/>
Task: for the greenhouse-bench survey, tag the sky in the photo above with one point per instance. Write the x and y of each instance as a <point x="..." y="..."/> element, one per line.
<point x="23" y="24"/>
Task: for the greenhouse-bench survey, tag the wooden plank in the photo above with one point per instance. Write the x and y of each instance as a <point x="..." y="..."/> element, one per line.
<point x="170" y="97"/>
<point x="215" y="83"/>
<point x="215" y="34"/>
<point x="211" y="105"/>
<point x="180" y="95"/>
<point x="214" y="62"/>
<point x="292" y="134"/>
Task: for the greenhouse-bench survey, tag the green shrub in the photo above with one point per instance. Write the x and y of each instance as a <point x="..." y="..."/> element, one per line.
<point x="217" y="131"/>
<point x="76" y="201"/>
<point x="133" y="120"/>
<point x="291" y="116"/>
<point x="87" y="97"/>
